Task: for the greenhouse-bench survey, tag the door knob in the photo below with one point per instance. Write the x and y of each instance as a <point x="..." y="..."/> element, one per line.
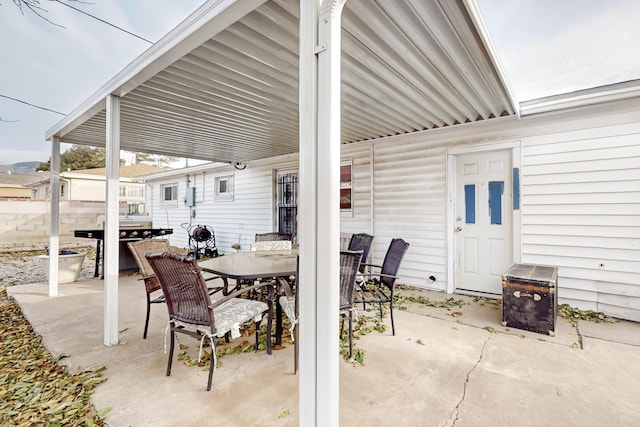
<point x="458" y="229"/>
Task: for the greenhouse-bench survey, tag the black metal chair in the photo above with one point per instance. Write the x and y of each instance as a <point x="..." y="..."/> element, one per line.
<point x="263" y="237"/>
<point x="289" y="303"/>
<point x="382" y="289"/>
<point x="349" y="264"/>
<point x="361" y="242"/>
<point x="192" y="311"/>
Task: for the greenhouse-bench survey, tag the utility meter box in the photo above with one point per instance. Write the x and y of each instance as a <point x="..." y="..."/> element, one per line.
<point x="191" y="196"/>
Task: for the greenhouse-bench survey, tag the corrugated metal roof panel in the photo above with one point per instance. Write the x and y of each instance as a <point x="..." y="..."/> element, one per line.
<point x="408" y="65"/>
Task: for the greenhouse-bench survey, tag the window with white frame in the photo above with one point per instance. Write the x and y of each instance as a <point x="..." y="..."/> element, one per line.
<point x="223" y="188"/>
<point x="169" y="194"/>
<point x="345" y="187"/>
<point x="130" y="191"/>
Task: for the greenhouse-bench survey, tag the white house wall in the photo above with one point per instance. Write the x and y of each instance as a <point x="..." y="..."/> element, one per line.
<point x="409" y="182"/>
<point x="233" y="221"/>
<point x="359" y="220"/>
<point x="580" y="201"/>
<point x="581" y="211"/>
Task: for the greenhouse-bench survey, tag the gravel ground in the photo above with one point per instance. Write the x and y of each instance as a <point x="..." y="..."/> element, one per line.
<point x="20" y="265"/>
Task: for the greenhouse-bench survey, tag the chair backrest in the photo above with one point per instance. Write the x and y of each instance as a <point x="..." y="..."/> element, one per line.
<point x="261" y="237"/>
<point x="271" y="245"/>
<point x="361" y="242"/>
<point x="392" y="260"/>
<point x="183" y="287"/>
<point x="349" y="263"/>
<point x="142" y="247"/>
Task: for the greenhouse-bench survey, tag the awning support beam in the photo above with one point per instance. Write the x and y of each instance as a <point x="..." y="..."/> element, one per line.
<point x="319" y="231"/>
<point x="54" y="219"/>
<point x="111" y="263"/>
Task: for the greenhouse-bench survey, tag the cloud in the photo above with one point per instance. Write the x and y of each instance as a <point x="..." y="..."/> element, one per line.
<point x="59" y="68"/>
<point x="549" y="47"/>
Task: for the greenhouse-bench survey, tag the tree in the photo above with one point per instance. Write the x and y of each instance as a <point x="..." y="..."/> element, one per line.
<point x="78" y="157"/>
<point x="154" y="159"/>
<point x="34" y="6"/>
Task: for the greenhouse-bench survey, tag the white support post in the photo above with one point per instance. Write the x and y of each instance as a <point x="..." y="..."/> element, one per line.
<point x="319" y="228"/>
<point x="308" y="112"/>
<point x="111" y="267"/>
<point x="54" y="218"/>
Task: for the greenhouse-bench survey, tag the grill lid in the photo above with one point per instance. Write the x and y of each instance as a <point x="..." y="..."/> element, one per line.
<point x="129" y="221"/>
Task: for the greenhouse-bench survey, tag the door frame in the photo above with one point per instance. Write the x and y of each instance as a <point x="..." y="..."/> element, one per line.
<point x="516" y="162"/>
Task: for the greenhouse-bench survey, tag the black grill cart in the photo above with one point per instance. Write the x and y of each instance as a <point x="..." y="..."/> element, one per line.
<point x="529" y="298"/>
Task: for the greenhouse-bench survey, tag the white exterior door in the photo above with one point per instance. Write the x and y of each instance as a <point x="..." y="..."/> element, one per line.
<point x="483" y="220"/>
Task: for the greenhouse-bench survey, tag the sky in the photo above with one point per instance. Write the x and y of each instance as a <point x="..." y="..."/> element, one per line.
<point x="59" y="68"/>
<point x="549" y="47"/>
<point x="546" y="47"/>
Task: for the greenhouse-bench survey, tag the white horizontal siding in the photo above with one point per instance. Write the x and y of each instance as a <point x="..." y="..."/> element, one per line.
<point x="581" y="211"/>
<point x="169" y="216"/>
<point x="409" y="202"/>
<point x="359" y="219"/>
<point x="233" y="221"/>
<point x="580" y="202"/>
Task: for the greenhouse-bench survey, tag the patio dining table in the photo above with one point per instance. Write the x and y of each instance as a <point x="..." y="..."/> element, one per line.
<point x="245" y="266"/>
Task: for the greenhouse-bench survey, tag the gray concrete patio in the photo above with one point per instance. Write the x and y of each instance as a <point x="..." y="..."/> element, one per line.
<point x="443" y="368"/>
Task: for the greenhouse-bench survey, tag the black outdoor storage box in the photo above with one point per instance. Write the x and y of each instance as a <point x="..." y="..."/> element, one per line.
<point x="529" y="298"/>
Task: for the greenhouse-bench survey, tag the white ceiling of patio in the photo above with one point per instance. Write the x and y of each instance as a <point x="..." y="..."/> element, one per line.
<point x="407" y="65"/>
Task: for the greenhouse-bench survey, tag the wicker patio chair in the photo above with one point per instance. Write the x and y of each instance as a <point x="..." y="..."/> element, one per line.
<point x="152" y="287"/>
<point x="261" y="237"/>
<point x="381" y="291"/>
<point x="349" y="264"/>
<point x="193" y="312"/>
<point x="361" y="242"/>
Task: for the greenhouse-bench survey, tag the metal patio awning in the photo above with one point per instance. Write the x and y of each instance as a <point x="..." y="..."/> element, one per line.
<point x="223" y="86"/>
<point x="241" y="80"/>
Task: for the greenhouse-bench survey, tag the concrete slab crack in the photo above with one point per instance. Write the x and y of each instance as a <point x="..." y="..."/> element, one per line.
<point x="579" y="337"/>
<point x="453" y="417"/>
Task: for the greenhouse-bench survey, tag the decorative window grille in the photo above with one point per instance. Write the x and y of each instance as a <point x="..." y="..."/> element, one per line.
<point x="287" y="205"/>
<point x="345" y="187"/>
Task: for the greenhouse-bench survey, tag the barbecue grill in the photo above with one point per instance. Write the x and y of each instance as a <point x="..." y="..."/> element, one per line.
<point x="132" y="227"/>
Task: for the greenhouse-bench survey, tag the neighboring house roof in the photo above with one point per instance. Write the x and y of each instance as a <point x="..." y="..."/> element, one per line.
<point x="2" y="185"/>
<point x="127" y="173"/>
<point x="131" y="171"/>
<point x="20" y="180"/>
<point x="581" y="98"/>
<point x="182" y="171"/>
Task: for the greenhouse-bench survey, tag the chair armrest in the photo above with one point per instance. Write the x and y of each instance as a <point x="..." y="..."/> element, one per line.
<point x="378" y="283"/>
<point x="379" y="275"/>
<point x="242" y="291"/>
<point x="285" y="286"/>
<point x="213" y="289"/>
<point x="178" y="250"/>
<point x="370" y="265"/>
